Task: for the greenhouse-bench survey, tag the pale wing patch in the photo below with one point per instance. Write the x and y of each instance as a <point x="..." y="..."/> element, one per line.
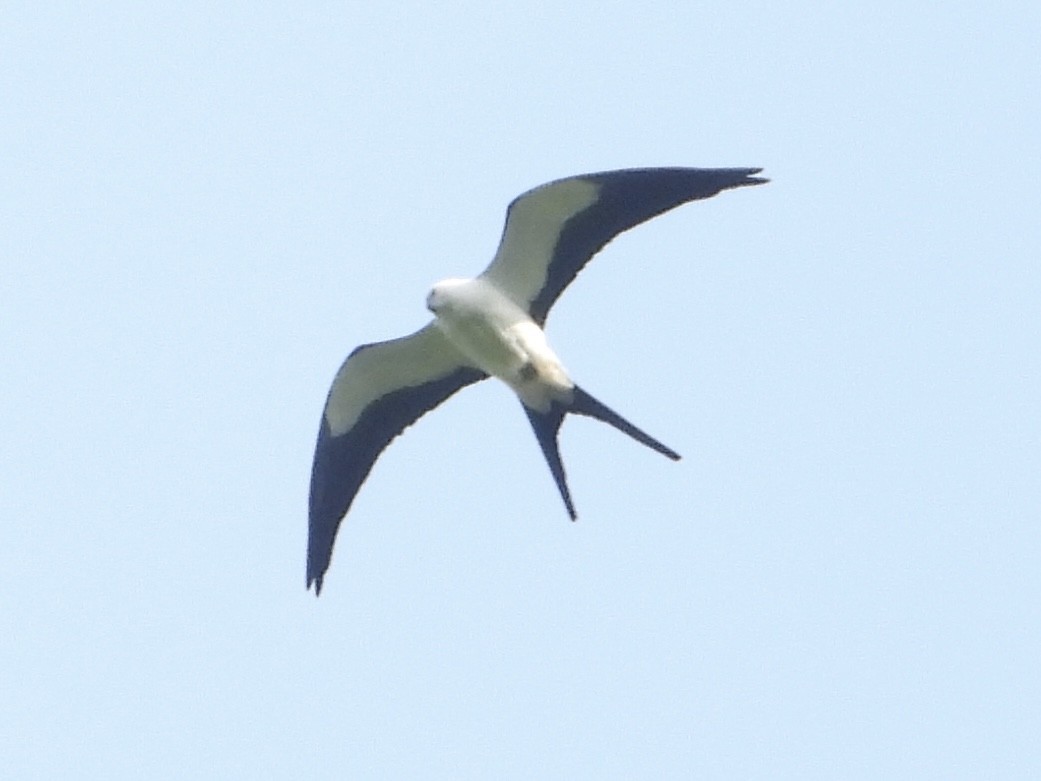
<point x="376" y="370"/>
<point x="533" y="227"/>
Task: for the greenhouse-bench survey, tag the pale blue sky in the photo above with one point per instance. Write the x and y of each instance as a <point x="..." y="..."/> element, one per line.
<point x="206" y="206"/>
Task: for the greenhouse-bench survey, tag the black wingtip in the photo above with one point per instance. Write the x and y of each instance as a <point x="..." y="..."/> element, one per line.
<point x="750" y="178"/>
<point x="317" y="581"/>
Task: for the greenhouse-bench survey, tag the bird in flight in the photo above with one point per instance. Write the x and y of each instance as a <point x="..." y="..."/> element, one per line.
<point x="491" y="326"/>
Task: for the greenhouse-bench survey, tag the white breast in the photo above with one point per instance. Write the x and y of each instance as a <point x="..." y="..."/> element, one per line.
<point x="500" y="338"/>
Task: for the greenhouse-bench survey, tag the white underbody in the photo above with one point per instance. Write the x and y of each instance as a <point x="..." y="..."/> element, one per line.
<point x="500" y="338"/>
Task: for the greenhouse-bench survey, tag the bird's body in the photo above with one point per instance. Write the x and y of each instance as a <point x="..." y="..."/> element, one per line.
<point x="492" y="326"/>
<point x="500" y="338"/>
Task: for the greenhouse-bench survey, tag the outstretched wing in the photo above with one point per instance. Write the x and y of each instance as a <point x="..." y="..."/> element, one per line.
<point x="552" y="231"/>
<point x="380" y="390"/>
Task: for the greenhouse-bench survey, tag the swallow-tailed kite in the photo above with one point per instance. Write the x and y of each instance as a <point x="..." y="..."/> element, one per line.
<point x="492" y="326"/>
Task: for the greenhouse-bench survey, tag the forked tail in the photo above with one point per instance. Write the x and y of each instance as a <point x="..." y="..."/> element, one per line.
<point x="547" y="425"/>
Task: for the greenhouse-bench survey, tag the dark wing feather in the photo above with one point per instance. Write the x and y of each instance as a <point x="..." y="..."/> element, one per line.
<point x="552" y="231"/>
<point x="343" y="460"/>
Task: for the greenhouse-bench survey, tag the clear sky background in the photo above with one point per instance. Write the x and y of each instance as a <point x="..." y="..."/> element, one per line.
<point x="206" y="206"/>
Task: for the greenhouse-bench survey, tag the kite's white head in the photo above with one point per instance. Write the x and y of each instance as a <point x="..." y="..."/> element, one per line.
<point x="443" y="293"/>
